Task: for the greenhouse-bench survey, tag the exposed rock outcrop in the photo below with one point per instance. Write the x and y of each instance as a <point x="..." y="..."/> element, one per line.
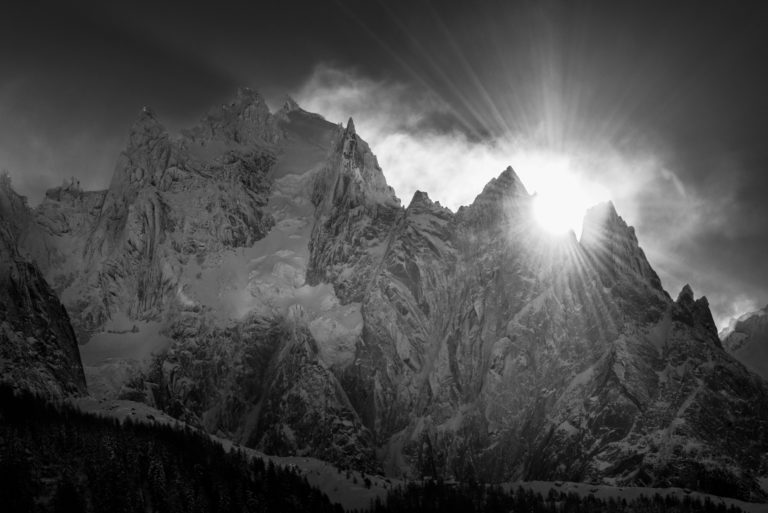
<point x="38" y="348"/>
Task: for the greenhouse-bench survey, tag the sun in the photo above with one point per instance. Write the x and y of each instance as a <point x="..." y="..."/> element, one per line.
<point x="562" y="191"/>
<point x="557" y="213"/>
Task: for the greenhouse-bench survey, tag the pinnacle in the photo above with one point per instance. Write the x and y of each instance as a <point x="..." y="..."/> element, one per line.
<point x="604" y="211"/>
<point x="600" y="221"/>
<point x="507" y="182"/>
<point x="146" y="116"/>
<point x="350" y="130"/>
<point x="145" y="127"/>
<point x="509" y="172"/>
<point x="686" y="294"/>
<point x="510" y="180"/>
<point x="420" y="198"/>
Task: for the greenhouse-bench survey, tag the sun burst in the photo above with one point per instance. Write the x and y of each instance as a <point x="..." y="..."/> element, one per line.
<point x="562" y="195"/>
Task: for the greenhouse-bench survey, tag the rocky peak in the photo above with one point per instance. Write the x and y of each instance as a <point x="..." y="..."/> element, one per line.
<point x="352" y="177"/>
<point x="501" y="198"/>
<point x="349" y="145"/>
<point x="245" y="120"/>
<point x="420" y="200"/>
<point x="613" y="244"/>
<point x="696" y="313"/>
<point x="422" y="204"/>
<point x="506" y="184"/>
<point x="146" y="128"/>
<point x="147" y="153"/>
<point x="249" y="105"/>
<point x="349" y="131"/>
<point x="600" y="220"/>
<point x="686" y="296"/>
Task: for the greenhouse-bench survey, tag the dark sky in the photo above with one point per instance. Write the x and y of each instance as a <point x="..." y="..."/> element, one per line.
<point x="684" y="81"/>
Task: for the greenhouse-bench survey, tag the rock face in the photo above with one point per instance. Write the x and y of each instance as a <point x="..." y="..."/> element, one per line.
<point x="746" y="338"/>
<point x="38" y="348"/>
<point x="197" y="253"/>
<point x="491" y="352"/>
<point x="302" y="310"/>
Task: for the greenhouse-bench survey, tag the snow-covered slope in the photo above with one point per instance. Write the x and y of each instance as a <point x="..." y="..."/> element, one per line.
<point x="629" y="493"/>
<point x="287" y="301"/>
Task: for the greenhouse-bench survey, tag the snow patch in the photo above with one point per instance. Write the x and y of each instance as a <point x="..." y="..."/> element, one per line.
<point x="629" y="493"/>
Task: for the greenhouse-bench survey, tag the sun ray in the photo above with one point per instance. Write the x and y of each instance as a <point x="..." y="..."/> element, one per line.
<point x="602" y="311"/>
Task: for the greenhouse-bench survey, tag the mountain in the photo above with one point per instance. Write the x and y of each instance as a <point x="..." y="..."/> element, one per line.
<point x="38" y="348"/>
<point x="256" y="276"/>
<point x="746" y="338"/>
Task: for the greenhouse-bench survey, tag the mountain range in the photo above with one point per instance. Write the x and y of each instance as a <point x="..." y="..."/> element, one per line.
<point x="256" y="277"/>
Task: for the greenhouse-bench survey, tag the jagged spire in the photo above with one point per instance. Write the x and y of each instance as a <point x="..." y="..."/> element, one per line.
<point x="420" y="197"/>
<point x="493" y="204"/>
<point x="686" y="294"/>
<point x="350" y="130"/>
<point x="506" y="184"/>
<point x="146" y="116"/>
<point x="600" y="221"/>
<point x="420" y="201"/>
<point x="696" y="313"/>
<point x="608" y="237"/>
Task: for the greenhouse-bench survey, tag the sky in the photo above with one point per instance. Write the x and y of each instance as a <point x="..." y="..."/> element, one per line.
<point x="660" y="107"/>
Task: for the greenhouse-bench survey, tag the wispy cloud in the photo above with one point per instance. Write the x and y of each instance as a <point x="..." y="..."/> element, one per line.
<point x="417" y="153"/>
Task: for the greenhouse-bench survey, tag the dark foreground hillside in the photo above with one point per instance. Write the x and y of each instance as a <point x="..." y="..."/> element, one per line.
<point x="54" y="458"/>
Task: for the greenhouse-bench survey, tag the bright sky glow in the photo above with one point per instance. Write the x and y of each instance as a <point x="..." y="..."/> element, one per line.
<point x="563" y="195"/>
<point x="555" y="216"/>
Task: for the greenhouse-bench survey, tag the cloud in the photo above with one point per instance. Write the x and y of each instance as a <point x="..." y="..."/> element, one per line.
<point x="453" y="167"/>
<point x="414" y="135"/>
